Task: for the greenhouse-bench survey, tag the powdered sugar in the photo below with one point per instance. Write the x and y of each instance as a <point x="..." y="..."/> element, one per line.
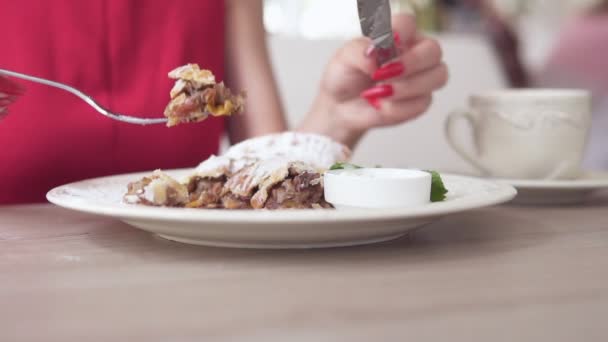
<point x="315" y="150"/>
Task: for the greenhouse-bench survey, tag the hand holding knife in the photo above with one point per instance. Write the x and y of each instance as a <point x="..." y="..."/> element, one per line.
<point x="385" y="78"/>
<point x="375" y="20"/>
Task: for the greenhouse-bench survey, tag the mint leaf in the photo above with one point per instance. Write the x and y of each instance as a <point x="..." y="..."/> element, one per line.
<point x="438" y="190"/>
<point x="344" y="166"/>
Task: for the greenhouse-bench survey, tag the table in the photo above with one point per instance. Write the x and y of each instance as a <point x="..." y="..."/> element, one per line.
<point x="500" y="274"/>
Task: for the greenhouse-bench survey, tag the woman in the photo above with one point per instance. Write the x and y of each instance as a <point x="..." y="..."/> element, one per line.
<point x="119" y="52"/>
<point x="580" y="60"/>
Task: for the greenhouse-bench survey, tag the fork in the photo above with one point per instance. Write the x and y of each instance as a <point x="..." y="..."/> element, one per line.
<point x="86" y="98"/>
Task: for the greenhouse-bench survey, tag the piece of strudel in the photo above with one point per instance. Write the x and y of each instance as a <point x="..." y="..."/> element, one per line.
<point x="196" y="95"/>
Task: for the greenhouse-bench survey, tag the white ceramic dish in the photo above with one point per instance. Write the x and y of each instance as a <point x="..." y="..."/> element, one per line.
<point x="558" y="191"/>
<point x="274" y="229"/>
<point x="377" y="188"/>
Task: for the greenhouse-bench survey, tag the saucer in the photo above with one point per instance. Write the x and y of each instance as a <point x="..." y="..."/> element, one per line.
<point x="572" y="191"/>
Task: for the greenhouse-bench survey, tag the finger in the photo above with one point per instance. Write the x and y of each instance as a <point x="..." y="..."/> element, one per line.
<point x="420" y="84"/>
<point x="355" y="54"/>
<point x="404" y="33"/>
<point x="404" y="28"/>
<point x="9" y="87"/>
<point x="5" y="100"/>
<point x="397" y="111"/>
<point x="423" y="55"/>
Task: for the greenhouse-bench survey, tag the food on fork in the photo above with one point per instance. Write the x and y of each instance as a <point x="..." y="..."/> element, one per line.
<point x="196" y="95"/>
<point x="276" y="171"/>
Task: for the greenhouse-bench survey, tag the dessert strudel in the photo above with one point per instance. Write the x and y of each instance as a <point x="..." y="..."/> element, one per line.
<point x="277" y="171"/>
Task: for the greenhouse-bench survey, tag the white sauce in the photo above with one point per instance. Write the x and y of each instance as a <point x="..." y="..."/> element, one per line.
<point x="380" y="173"/>
<point x="377" y="188"/>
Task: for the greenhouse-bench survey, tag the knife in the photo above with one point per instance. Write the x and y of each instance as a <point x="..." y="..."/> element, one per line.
<point x="375" y="20"/>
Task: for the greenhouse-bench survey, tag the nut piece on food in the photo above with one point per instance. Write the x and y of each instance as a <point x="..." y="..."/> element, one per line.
<point x="195" y="95"/>
<point x="193" y="74"/>
<point x="157" y="190"/>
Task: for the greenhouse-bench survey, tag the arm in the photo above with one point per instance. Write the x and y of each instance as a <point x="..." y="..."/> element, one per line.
<point x="506" y="44"/>
<point x="248" y="67"/>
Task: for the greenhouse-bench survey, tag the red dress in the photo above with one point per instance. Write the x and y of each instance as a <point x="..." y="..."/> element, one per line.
<point x="119" y="52"/>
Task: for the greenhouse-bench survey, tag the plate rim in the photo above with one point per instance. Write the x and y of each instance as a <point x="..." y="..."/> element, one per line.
<point x="570" y="184"/>
<point x="504" y="193"/>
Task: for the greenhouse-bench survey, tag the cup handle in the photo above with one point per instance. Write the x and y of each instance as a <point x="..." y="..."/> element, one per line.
<point x="450" y="133"/>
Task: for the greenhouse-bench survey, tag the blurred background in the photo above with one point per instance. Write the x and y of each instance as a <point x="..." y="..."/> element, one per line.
<point x="487" y="45"/>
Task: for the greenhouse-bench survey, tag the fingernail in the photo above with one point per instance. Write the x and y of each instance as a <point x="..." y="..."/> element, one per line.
<point x="397" y="38"/>
<point x="371" y="50"/>
<point x="377" y="92"/>
<point x="389" y="71"/>
<point x="373" y="102"/>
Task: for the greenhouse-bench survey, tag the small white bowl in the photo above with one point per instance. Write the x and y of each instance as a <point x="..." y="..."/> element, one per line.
<point x="377" y="188"/>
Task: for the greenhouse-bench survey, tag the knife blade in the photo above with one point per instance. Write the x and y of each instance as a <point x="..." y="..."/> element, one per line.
<point x="375" y="20"/>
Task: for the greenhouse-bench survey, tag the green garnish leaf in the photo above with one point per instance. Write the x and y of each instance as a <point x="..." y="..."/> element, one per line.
<point x="345" y="166"/>
<point x="438" y="190"/>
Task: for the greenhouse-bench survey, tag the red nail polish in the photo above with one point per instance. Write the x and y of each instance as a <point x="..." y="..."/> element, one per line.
<point x="374" y="103"/>
<point x="397" y="38"/>
<point x="389" y="71"/>
<point x="377" y="92"/>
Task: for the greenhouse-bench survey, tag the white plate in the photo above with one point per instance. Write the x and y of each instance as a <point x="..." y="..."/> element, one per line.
<point x="274" y="229"/>
<point x="557" y="191"/>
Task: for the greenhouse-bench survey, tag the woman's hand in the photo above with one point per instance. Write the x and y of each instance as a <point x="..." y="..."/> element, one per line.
<point x="9" y="91"/>
<point x="356" y="94"/>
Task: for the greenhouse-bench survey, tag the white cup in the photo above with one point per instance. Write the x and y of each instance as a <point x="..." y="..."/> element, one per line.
<point x="525" y="134"/>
